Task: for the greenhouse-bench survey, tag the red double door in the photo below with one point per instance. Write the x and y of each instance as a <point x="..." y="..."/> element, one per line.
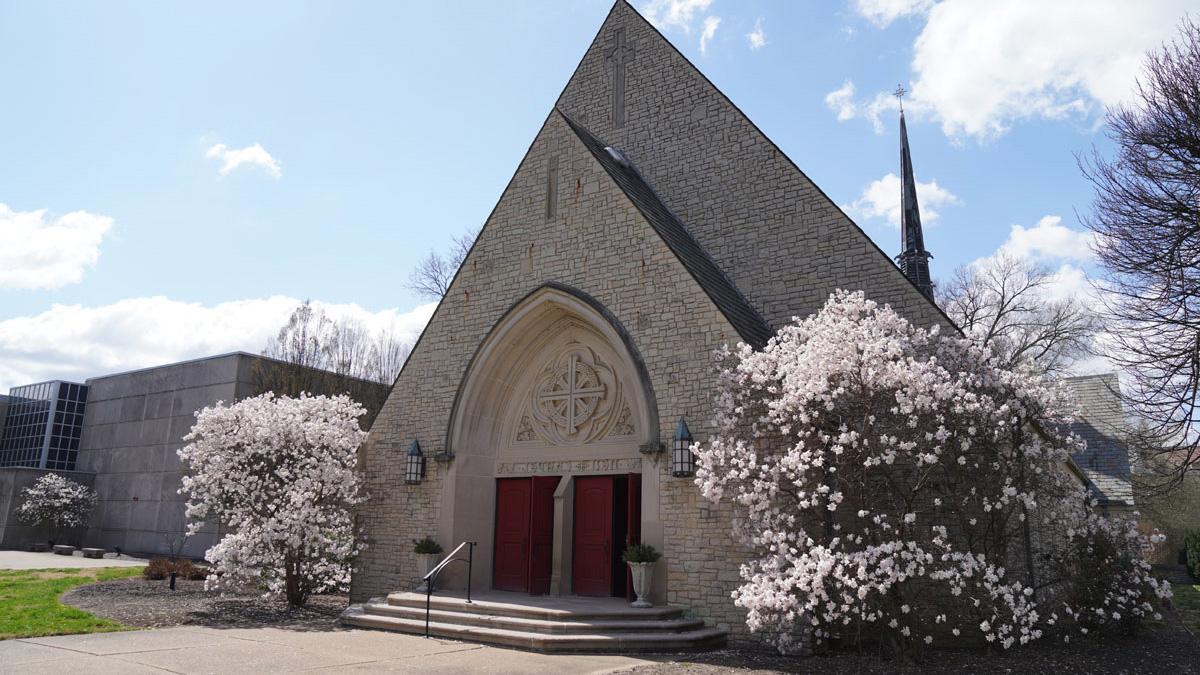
<point x="524" y="534"/>
<point x="607" y="518"/>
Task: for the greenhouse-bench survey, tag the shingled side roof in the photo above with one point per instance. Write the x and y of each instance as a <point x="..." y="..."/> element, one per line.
<point x="748" y="323"/>
<point x="1102" y="423"/>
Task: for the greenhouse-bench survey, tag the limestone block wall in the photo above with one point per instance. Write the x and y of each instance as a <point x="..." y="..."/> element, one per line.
<point x="597" y="243"/>
<point x="781" y="240"/>
<point x="784" y="244"/>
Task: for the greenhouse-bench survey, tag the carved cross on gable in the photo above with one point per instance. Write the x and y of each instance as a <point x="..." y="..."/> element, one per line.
<point x="618" y="57"/>
<point x="574" y="396"/>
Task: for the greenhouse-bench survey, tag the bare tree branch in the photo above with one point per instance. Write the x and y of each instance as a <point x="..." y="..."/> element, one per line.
<point x="1146" y="215"/>
<point x="432" y="276"/>
<point x="316" y="354"/>
<point x="1003" y="303"/>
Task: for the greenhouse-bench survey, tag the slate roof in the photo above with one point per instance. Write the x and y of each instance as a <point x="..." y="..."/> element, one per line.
<point x="749" y="323"/>
<point x="1102" y="423"/>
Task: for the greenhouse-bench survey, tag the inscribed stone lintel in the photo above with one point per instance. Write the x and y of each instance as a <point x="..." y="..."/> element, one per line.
<point x="569" y="466"/>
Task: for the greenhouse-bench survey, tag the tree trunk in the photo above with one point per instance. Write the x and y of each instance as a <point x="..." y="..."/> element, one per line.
<point x="295" y="595"/>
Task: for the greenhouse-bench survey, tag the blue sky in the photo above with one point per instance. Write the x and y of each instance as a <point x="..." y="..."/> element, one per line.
<point x="384" y="129"/>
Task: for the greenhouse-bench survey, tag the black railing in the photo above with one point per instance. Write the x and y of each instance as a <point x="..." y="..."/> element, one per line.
<point x="432" y="576"/>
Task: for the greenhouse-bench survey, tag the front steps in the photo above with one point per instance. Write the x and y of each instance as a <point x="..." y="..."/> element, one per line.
<point x="540" y="623"/>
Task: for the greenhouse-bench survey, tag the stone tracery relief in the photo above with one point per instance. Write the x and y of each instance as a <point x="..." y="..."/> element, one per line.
<point x="575" y="399"/>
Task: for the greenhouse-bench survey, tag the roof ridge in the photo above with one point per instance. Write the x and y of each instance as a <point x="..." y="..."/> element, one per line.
<point x="753" y="125"/>
<point x="746" y="320"/>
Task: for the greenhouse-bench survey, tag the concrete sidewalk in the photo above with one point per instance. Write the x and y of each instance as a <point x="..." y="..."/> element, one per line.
<point x="199" y="650"/>
<point x="24" y="560"/>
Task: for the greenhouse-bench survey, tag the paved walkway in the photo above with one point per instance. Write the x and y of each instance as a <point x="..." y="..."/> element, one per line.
<point x="24" y="560"/>
<point x="199" y="650"/>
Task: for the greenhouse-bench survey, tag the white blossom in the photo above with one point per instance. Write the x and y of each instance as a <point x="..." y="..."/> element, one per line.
<point x="56" y="502"/>
<point x="854" y="407"/>
<point x="278" y="474"/>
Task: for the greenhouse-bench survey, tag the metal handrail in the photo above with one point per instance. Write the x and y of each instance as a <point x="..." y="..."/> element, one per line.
<point x="432" y="575"/>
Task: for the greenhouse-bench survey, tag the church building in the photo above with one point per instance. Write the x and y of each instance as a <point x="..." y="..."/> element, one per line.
<point x="649" y="223"/>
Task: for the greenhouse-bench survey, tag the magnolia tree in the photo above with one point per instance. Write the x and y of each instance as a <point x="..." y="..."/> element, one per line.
<point x="895" y="483"/>
<point x="57" y="502"/>
<point x="279" y="474"/>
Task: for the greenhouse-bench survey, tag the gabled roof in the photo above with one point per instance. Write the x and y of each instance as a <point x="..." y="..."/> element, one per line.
<point x="752" y="328"/>
<point x="772" y="231"/>
<point x="1102" y="424"/>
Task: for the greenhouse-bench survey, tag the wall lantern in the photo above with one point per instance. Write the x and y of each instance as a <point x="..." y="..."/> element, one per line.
<point x="683" y="462"/>
<point x="414" y="467"/>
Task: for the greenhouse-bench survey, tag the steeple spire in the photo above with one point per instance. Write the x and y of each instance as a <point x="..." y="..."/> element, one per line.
<point x="913" y="259"/>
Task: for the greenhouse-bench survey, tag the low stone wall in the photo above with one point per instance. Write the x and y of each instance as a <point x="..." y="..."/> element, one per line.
<point x="17" y="535"/>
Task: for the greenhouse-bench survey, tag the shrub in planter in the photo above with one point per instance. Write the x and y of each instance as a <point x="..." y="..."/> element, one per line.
<point x="641" y="553"/>
<point x="426" y="546"/>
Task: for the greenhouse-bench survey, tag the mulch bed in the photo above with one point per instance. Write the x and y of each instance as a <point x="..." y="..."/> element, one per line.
<point x="1165" y="648"/>
<point x="152" y="604"/>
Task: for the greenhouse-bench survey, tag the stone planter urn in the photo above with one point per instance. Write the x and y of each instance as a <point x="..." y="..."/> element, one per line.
<point x="425" y="562"/>
<point x="643" y="575"/>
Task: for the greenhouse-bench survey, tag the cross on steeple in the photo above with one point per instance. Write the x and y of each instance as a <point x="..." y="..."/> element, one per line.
<point x="899" y="94"/>
<point x="618" y="57"/>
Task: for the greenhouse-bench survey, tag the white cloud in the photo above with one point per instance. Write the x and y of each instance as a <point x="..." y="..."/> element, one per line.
<point x="841" y="102"/>
<point x="757" y="38"/>
<point x="251" y="155"/>
<point x="674" y="13"/>
<point x="980" y="67"/>
<point x="881" y="199"/>
<point x="884" y="12"/>
<point x="710" y="29"/>
<point x="36" y="253"/>
<point x="1049" y="239"/>
<point x="76" y="342"/>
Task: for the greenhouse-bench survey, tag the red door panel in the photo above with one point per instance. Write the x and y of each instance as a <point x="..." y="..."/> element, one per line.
<point x="592" y="560"/>
<point x="541" y="534"/>
<point x="511" y="568"/>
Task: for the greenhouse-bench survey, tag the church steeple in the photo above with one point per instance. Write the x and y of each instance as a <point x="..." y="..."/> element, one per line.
<point x="913" y="259"/>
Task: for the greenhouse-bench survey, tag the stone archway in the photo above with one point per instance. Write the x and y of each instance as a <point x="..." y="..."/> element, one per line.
<point x="556" y="389"/>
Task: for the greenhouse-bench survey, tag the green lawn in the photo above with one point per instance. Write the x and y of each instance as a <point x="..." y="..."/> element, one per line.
<point x="29" y="604"/>
<point x="1187" y="599"/>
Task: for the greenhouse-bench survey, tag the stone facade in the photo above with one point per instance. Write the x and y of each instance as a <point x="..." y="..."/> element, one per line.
<point x="783" y="244"/>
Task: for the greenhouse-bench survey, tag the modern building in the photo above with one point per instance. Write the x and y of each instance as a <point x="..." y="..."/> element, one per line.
<point x="120" y="434"/>
<point x="134" y="426"/>
<point x="43" y="425"/>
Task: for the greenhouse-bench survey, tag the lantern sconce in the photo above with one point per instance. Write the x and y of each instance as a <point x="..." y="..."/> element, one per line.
<point x="414" y="467"/>
<point x="683" y="462"/>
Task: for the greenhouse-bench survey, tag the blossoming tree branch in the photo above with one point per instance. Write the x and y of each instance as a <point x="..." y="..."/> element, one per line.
<point x="278" y="473"/>
<point x="895" y="482"/>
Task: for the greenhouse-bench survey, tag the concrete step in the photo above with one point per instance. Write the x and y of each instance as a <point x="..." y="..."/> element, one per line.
<point x="574" y="625"/>
<point x="538" y="607"/>
<point x="612" y="642"/>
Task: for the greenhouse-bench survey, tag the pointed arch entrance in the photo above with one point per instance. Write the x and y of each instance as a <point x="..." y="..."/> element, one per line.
<point x="547" y="434"/>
